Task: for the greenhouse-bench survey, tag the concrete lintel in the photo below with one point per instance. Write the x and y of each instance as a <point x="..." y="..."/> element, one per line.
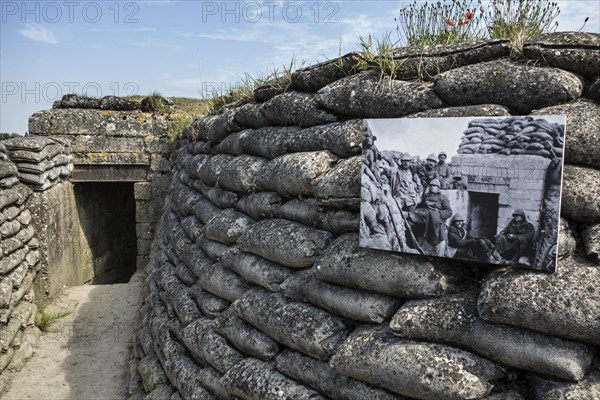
<point x="110" y="173"/>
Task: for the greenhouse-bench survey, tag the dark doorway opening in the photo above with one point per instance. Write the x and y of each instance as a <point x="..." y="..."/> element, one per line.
<point x="483" y="214"/>
<point x="107" y="220"/>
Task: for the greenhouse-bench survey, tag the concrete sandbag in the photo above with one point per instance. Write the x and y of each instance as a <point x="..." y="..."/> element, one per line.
<point x="563" y="304"/>
<point x="210" y="170"/>
<point x="204" y="210"/>
<point x="245" y="338"/>
<point x="309" y="212"/>
<point x="222" y="282"/>
<point x="252" y="379"/>
<point x="398" y="275"/>
<point x="17" y="194"/>
<point x="591" y="241"/>
<point x="341" y="138"/>
<point x="340" y="186"/>
<point x="239" y="175"/>
<point x="192" y="227"/>
<point x="260" y="205"/>
<point x="178" y="296"/>
<point x="416" y="369"/>
<point x="7" y="169"/>
<point x="284" y="242"/>
<point x="249" y="115"/>
<point x="297" y="325"/>
<point x="210" y="305"/>
<point x="195" y="259"/>
<point x="296" y="109"/>
<point x="268" y="142"/>
<point x="227" y="226"/>
<point x="230" y="145"/>
<point x="218" y="352"/>
<point x="587" y="389"/>
<point x="222" y="198"/>
<point x="255" y="269"/>
<point x="319" y="376"/>
<point x="454" y="320"/>
<point x="296" y="174"/>
<point x="214" y="250"/>
<point x="185" y="377"/>
<point x="151" y="372"/>
<point x="191" y="336"/>
<point x="581" y="194"/>
<point x="348" y="303"/>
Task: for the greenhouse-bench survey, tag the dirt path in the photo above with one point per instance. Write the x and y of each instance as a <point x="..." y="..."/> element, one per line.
<point x="84" y="355"/>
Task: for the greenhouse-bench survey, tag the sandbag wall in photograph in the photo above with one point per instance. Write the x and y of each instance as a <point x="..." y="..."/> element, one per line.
<point x="256" y="287"/>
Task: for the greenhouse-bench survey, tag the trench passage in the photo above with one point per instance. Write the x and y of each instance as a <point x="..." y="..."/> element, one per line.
<point x="107" y="219"/>
<point x="483" y="214"/>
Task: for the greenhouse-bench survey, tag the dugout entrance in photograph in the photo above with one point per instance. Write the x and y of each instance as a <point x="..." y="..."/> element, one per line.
<point x="483" y="214"/>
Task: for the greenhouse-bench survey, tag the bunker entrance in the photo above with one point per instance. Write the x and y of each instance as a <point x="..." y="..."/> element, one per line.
<point x="483" y="214"/>
<point x="107" y="230"/>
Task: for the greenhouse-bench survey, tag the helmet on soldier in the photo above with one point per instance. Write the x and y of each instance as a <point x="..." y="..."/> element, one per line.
<point x="432" y="157"/>
<point x="435" y="182"/>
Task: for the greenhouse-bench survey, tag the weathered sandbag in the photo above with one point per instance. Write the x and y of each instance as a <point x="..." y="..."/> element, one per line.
<point x="198" y="147"/>
<point x="178" y="296"/>
<point x="210" y="305"/>
<point x="454" y="320"/>
<point x="245" y="338"/>
<point x="255" y="269"/>
<point x="239" y="175"/>
<point x="340" y="186"/>
<point x="252" y="379"/>
<point x="214" y="250"/>
<point x="249" y="115"/>
<point x="161" y="392"/>
<point x="7" y="168"/>
<point x="205" y="343"/>
<point x="296" y="109"/>
<point x="566" y="240"/>
<point x="184" y="274"/>
<point x="151" y="372"/>
<point x="204" y="210"/>
<point x="591" y="241"/>
<point x="8" y="263"/>
<point x="309" y="212"/>
<point x="230" y="145"/>
<point x="366" y="95"/>
<point x="227" y="226"/>
<point x="32" y="143"/>
<point x="17" y="194"/>
<point x="267" y="142"/>
<point x="341" y="138"/>
<point x="319" y="376"/>
<point x="587" y="389"/>
<point x="9" y="245"/>
<point x="9" y="228"/>
<point x="185" y="376"/>
<point x="297" y="325"/>
<point x="222" y="198"/>
<point x="221" y="282"/>
<point x="260" y="205"/>
<point x="578" y="52"/>
<point x="295" y="174"/>
<point x="191" y="337"/>
<point x="348" y="303"/>
<point x="195" y="164"/>
<point x="195" y="259"/>
<point x="8" y="182"/>
<point x="415" y="369"/>
<point x="284" y="242"/>
<point x="563" y="304"/>
<point x="46" y="153"/>
<point x="216" y="127"/>
<point x="210" y="170"/>
<point x="583" y="125"/>
<point x="398" y="275"/>
<point x="192" y="227"/>
<point x="538" y="87"/>
<point x="314" y="77"/>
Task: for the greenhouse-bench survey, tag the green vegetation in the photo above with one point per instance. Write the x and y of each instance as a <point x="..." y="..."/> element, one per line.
<point x="460" y="21"/>
<point x="44" y="319"/>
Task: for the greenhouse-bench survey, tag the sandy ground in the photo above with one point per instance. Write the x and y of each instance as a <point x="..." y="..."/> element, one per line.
<point x="86" y="354"/>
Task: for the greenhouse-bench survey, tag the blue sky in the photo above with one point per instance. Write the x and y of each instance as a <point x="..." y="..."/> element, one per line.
<point x="179" y="48"/>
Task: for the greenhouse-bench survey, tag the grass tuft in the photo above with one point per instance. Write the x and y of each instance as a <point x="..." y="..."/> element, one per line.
<point x="44" y="319"/>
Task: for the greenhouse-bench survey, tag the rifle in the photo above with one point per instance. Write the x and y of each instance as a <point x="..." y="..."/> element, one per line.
<point x="409" y="229"/>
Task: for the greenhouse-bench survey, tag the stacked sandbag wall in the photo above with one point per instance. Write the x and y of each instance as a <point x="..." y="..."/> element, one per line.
<point x="27" y="165"/>
<point x="256" y="287"/>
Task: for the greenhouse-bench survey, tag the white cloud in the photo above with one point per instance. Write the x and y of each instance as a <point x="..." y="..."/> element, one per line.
<point x="38" y="33"/>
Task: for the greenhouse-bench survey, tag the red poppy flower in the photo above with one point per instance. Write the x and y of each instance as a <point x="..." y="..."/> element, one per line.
<point x="462" y="23"/>
<point x="469" y="15"/>
<point x="449" y="22"/>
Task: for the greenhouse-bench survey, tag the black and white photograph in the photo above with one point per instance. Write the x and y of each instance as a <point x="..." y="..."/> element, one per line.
<point x="483" y="189"/>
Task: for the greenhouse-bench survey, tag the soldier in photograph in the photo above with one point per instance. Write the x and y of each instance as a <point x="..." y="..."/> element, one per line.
<point x="405" y="185"/>
<point x="428" y="172"/>
<point x="515" y="242"/>
<point x="429" y="220"/>
<point x="462" y="245"/>
<point x="443" y="171"/>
